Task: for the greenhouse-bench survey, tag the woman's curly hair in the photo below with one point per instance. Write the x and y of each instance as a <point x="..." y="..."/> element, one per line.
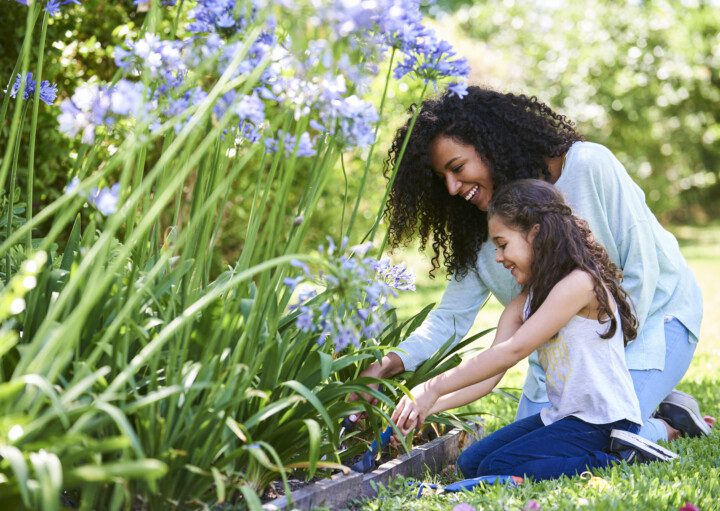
<point x="563" y="243"/>
<point x="513" y="134"/>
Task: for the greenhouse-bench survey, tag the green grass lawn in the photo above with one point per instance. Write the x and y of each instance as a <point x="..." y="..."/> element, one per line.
<point x="694" y="477"/>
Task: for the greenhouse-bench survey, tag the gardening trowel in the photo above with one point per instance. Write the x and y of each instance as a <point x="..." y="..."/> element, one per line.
<point x="367" y="462"/>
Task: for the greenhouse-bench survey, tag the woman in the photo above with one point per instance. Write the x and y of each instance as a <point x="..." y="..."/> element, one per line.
<point x="459" y="151"/>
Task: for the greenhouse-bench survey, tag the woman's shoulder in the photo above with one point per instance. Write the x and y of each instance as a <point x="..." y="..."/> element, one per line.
<point x="590" y="153"/>
<point x="588" y="162"/>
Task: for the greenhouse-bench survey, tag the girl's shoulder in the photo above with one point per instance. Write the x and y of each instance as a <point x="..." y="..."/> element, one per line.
<point x="578" y="279"/>
<point x="582" y="285"/>
<point x="577" y="287"/>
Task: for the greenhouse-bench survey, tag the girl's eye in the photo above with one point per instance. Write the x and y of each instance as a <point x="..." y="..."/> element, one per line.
<point x="457" y="169"/>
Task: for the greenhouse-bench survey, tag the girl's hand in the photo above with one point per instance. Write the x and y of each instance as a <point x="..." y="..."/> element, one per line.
<point x="411" y="414"/>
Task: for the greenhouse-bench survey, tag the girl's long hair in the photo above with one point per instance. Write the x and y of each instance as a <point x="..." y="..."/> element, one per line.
<point x="563" y="243"/>
<point x="513" y="134"/>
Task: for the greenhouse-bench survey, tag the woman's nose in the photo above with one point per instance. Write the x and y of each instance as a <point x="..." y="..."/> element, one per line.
<point x="452" y="184"/>
<point x="498" y="256"/>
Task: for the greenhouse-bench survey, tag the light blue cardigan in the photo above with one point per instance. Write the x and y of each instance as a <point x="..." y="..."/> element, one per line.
<point x="656" y="276"/>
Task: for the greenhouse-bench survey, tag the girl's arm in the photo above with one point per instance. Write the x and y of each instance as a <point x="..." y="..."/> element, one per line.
<point x="510" y="322"/>
<point x="566" y="299"/>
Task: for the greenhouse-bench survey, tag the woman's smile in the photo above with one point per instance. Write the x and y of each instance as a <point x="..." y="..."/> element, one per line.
<point x="463" y="171"/>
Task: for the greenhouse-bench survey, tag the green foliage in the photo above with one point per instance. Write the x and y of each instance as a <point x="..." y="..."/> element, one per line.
<point x="639" y="77"/>
<point x="140" y="369"/>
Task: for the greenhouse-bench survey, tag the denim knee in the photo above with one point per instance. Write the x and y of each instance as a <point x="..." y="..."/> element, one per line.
<point x="467" y="465"/>
<point x="496" y="464"/>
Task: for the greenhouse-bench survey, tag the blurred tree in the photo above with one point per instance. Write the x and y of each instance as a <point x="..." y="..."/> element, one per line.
<point x="640" y="77"/>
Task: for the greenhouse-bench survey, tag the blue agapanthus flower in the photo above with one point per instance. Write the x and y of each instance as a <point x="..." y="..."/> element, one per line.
<point x="356" y="294"/>
<point x="53" y="7"/>
<point x="48" y="91"/>
<point x="458" y="89"/>
<point x="221" y="16"/>
<point x="160" y="58"/>
<point x="105" y="199"/>
<point x="93" y="105"/>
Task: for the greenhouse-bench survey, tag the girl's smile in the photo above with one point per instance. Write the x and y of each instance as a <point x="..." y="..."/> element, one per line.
<point x="463" y="171"/>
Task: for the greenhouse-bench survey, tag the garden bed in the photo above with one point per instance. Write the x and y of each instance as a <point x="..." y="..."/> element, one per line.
<point x="336" y="491"/>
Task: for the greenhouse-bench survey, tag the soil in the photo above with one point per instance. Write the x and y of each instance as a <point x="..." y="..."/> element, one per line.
<point x="277" y="488"/>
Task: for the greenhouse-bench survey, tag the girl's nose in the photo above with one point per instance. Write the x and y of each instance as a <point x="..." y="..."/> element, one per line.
<point x="452" y="184"/>
<point x="498" y="256"/>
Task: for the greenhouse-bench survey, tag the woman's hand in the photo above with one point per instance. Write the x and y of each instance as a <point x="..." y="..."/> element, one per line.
<point x="411" y="413"/>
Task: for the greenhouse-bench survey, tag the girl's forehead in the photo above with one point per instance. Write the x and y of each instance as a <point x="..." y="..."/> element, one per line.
<point x="497" y="223"/>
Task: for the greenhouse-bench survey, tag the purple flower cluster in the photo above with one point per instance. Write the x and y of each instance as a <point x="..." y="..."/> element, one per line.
<point x="323" y="82"/>
<point x="48" y="91"/>
<point x="180" y="104"/>
<point x="348" y="118"/>
<point x="355" y="296"/>
<point x="397" y="24"/>
<point x="92" y="105"/>
<point x="302" y="146"/>
<point x="224" y="16"/>
<point x="169" y="63"/>
<point x="105" y="200"/>
<point x="53" y="6"/>
<point x="160" y="58"/>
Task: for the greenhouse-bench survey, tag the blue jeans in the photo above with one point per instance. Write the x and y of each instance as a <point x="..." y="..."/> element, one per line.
<point x="527" y="447"/>
<point x="652" y="385"/>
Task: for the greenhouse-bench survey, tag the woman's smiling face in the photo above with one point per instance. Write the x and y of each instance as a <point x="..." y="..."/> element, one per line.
<point x="462" y="170"/>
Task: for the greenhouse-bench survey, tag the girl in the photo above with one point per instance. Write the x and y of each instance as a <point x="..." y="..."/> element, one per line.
<point x="459" y="151"/>
<point x="572" y="310"/>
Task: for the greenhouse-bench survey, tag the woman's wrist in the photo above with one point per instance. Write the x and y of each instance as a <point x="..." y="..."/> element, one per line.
<point x="390" y="365"/>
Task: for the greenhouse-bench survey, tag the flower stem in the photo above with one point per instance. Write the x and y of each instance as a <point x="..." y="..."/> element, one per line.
<point x="372" y="147"/>
<point x="391" y="180"/>
<point x="11" y="199"/>
<point x="33" y="131"/>
<point x="15" y="125"/>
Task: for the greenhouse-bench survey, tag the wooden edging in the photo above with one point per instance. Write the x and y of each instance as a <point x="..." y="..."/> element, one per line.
<point x="337" y="491"/>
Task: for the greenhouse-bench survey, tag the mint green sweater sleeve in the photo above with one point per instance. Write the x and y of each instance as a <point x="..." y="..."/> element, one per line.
<point x="451" y="318"/>
<point x="458" y="308"/>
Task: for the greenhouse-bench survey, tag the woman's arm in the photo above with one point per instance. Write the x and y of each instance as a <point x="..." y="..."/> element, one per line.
<point x="452" y="317"/>
<point x="565" y="300"/>
<point x="510" y="322"/>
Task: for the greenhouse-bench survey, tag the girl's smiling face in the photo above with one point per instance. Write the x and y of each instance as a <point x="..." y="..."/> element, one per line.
<point x="513" y="248"/>
<point x="462" y="170"/>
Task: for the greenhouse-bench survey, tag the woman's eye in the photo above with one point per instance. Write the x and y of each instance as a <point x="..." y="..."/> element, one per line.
<point x="457" y="169"/>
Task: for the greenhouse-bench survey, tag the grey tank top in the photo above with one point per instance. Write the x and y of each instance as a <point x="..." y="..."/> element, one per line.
<point x="586" y="376"/>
